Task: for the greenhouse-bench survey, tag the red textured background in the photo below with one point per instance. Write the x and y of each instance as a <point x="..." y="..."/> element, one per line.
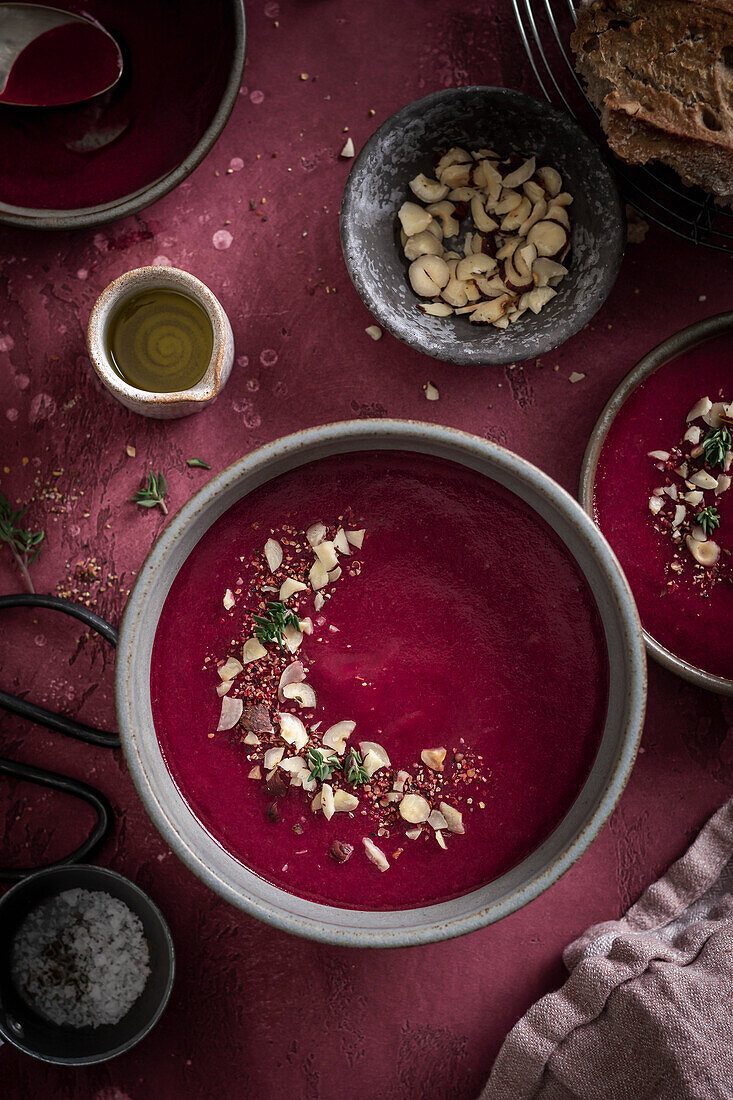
<point x="256" y="1013"/>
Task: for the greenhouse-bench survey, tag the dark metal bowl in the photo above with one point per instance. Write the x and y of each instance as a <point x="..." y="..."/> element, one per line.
<point x="77" y="1046"/>
<point x="509" y="122"/>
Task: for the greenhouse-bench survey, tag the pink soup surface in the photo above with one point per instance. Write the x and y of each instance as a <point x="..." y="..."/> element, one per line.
<point x="673" y="610"/>
<point x="473" y="628"/>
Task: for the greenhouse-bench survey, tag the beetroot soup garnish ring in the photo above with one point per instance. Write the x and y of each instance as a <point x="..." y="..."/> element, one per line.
<point x="228" y="876"/>
<point x="683" y="341"/>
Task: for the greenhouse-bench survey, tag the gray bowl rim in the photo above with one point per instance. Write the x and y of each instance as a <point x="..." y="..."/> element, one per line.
<point x="63" y="873"/>
<point x="675" y="345"/>
<point x="85" y="217"/>
<point x="321" y="922"/>
<point x="464" y="357"/>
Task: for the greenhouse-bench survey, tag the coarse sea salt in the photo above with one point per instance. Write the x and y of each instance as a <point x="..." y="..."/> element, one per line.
<point x="81" y="959"/>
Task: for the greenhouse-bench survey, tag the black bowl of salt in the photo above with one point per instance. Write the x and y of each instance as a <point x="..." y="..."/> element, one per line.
<point x="86" y="965"/>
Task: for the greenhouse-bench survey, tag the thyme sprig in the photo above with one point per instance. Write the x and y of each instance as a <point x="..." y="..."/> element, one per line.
<point x="25" y="545"/>
<point x="152" y="493"/>
<point x="321" y="767"/>
<point x="716" y="444"/>
<point x="354" y="769"/>
<point x="270" y="626"/>
<point x="709" y="519"/>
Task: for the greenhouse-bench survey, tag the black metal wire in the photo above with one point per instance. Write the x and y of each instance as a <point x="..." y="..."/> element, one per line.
<point x="59" y="722"/>
<point x="653" y="191"/>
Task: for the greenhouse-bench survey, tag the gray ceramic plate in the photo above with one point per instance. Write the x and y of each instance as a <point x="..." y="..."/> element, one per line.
<point x="509" y="122"/>
<point x="669" y="349"/>
<point x="221" y="871"/>
<point x="84" y="217"/>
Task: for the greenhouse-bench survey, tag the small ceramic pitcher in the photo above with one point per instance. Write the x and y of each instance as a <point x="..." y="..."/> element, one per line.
<point x="164" y="406"/>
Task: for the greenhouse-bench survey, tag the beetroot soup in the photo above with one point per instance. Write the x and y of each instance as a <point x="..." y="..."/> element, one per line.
<point x="662" y="499"/>
<point x="441" y="670"/>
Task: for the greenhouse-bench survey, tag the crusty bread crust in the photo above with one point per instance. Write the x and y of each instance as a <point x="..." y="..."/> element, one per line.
<point x="661" y="73"/>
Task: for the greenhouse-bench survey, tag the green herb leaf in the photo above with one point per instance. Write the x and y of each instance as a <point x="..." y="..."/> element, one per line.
<point x="25" y="545"/>
<point x="715" y="445"/>
<point x="269" y="627"/>
<point x="152" y="493"/>
<point x="709" y="520"/>
<point x="198" y="462"/>
<point x="354" y="769"/>
<point x="321" y="768"/>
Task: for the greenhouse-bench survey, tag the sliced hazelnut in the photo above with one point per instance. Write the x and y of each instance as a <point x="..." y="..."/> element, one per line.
<point x="428" y="275"/>
<point x="292" y="731"/>
<point x="723" y="485"/>
<point x="551" y="180"/>
<point x="337" y="735"/>
<point x="655" y="505"/>
<point x="713" y="415"/>
<point x="316" y="533"/>
<point x="509" y="201"/>
<point x="455" y="155"/>
<point x="522" y="174"/>
<point x="224" y="687"/>
<point x="356" y="538"/>
<point x="538" y="298"/>
<point x="293" y="637"/>
<point x="414" y="808"/>
<point x="228" y="600"/>
<point x="453" y="817"/>
<point x="273" y="756"/>
<point x="436" y="309"/>
<point x="706" y="553"/>
<point x="679" y="514"/>
<point x="490" y="178"/>
<point x="441" y="840"/>
<point x="252" y="650"/>
<point x="341" y="851"/>
<point x="413" y="218"/>
<point x="437" y="820"/>
<point x="428" y="190"/>
<point x="341" y="543"/>
<point x="702" y="408"/>
<point x="413" y="834"/>
<point x="289" y="587"/>
<point x="694" y="498"/>
<point x="255" y="772"/>
<point x="443" y="212"/>
<point x="523" y="259"/>
<point x="659" y="456"/>
<point x="423" y="244"/>
<point x="508" y="248"/>
<point x="489" y="312"/>
<point x="481" y="219"/>
<point x="251" y="739"/>
<point x="558" y="214"/>
<point x="692" y="435"/>
<point x="303" y="694"/>
<point x="231" y="668"/>
<point x="698" y="534"/>
<point x="703" y="480"/>
<point x="273" y="555"/>
<point x="379" y="753"/>
<point x="344" y="802"/>
<point x="462" y="194"/>
<point x="539" y="211"/>
<point x="517" y="216"/>
<point x="544" y="269"/>
<point x="548" y="237"/>
<point x="455" y="175"/>
<point x="455" y="293"/>
<point x="491" y="288"/>
<point x="231" y="712"/>
<point x="318" y="576"/>
<point x="328" y="808"/>
<point x="533" y="191"/>
<point x="375" y="854"/>
<point x="326" y="554"/>
<point x="433" y="759"/>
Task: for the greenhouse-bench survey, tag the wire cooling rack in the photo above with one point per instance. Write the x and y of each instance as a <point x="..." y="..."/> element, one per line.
<point x="656" y="192"/>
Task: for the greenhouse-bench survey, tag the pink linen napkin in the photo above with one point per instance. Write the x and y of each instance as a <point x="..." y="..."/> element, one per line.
<point x="647" y="1011"/>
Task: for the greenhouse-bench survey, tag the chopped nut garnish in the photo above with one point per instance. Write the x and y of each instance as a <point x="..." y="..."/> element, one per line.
<point x="340" y="851"/>
<point x="375" y="854"/>
<point x="414" y="808"/>
<point x="433" y="759"/>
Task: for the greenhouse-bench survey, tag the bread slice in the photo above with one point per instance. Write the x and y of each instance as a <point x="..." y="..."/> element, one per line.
<point x="661" y="74"/>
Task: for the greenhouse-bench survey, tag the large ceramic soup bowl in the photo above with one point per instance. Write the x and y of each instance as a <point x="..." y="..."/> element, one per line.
<point x="436" y="710"/>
